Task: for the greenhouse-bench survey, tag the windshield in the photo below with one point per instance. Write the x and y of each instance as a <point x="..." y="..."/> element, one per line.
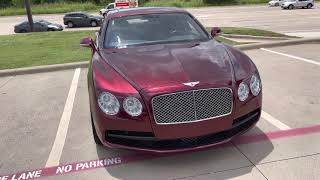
<point x="44" y="22"/>
<point x="152" y="29"/>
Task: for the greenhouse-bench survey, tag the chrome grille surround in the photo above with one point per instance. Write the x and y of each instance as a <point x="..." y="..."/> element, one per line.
<point x="192" y="106"/>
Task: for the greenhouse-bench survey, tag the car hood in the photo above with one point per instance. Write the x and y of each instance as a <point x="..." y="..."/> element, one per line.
<point x="96" y="17"/>
<point x="156" y="67"/>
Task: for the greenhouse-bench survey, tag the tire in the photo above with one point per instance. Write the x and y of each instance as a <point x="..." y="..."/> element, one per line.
<point x="50" y="29"/>
<point x="70" y="24"/>
<point x="309" y="6"/>
<point x="93" y="23"/>
<point x="94" y="132"/>
<point x="290" y="6"/>
<point x="22" y="31"/>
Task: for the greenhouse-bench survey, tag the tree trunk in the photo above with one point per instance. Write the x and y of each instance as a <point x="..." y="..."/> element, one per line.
<point x="29" y="14"/>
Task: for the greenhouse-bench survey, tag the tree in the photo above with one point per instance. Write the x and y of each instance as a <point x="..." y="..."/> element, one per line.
<point x="29" y="14"/>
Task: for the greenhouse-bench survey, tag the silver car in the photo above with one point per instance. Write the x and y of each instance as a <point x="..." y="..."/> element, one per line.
<point x="291" y="4"/>
<point x="275" y="2"/>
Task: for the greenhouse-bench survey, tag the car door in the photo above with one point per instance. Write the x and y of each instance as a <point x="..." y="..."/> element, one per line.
<point x="301" y="3"/>
<point x="76" y="19"/>
<point x="85" y="20"/>
<point x="37" y="27"/>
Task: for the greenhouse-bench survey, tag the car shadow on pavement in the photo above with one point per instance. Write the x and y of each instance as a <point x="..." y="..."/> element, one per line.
<point x="189" y="164"/>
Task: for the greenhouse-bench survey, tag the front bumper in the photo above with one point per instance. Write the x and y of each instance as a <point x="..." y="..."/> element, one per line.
<point x="143" y="141"/>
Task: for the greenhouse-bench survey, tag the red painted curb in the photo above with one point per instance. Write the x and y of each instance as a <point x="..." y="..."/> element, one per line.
<point x="119" y="160"/>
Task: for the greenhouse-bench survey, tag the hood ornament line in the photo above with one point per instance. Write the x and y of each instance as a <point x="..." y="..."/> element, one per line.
<point x="191" y="84"/>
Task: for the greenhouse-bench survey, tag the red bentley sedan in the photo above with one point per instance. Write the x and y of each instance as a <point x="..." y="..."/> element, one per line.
<point x="159" y="82"/>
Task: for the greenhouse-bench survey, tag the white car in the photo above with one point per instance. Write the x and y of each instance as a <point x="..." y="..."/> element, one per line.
<point x="275" y="2"/>
<point x="107" y="9"/>
<point x="291" y="4"/>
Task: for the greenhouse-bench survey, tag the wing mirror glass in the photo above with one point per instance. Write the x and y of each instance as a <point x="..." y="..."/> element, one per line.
<point x="216" y="31"/>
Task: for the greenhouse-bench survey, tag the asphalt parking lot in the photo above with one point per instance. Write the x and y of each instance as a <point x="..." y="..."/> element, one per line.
<point x="283" y="145"/>
<point x="298" y="22"/>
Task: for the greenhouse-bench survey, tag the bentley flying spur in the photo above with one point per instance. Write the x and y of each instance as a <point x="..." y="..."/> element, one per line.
<point x="159" y="82"/>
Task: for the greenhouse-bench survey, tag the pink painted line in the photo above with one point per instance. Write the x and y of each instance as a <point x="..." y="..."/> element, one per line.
<point x="120" y="160"/>
<point x="276" y="135"/>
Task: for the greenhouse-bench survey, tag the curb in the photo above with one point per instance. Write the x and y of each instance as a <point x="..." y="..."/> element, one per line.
<point x="40" y="69"/>
<point x="255" y="37"/>
<point x="59" y="67"/>
<point x="276" y="44"/>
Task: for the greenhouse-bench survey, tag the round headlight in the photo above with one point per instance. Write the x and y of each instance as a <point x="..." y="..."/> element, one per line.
<point x="243" y="91"/>
<point x="132" y="106"/>
<point x="255" y="85"/>
<point x="108" y="103"/>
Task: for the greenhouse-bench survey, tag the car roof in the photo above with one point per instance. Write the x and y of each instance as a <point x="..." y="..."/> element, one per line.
<point x="143" y="10"/>
<point x="76" y="13"/>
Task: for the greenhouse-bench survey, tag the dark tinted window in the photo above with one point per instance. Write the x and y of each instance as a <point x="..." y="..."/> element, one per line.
<point x="110" y="6"/>
<point x="152" y="29"/>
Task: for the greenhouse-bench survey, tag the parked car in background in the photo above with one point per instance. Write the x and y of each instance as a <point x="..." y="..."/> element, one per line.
<point x="275" y="2"/>
<point x="38" y="26"/>
<point x="159" y="82"/>
<point x="109" y="7"/>
<point x="80" y="19"/>
<point x="291" y="4"/>
<point x="119" y="4"/>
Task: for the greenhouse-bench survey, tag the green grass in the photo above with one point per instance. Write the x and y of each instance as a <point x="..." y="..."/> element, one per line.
<point x="33" y="49"/>
<point x="51" y="8"/>
<point x="227" y="41"/>
<point x="251" y="31"/>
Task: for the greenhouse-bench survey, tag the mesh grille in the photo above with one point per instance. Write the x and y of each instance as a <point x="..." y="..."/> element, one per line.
<point x="192" y="106"/>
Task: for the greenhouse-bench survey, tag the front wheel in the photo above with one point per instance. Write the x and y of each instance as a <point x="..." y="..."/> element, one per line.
<point x="94" y="132"/>
<point x="309" y="6"/>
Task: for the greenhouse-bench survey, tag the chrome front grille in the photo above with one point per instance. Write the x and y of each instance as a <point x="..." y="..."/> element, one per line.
<point x="191" y="106"/>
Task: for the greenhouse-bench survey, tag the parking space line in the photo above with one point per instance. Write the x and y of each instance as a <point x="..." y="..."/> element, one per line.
<point x="106" y="162"/>
<point x="274" y="121"/>
<point x="292" y="56"/>
<point x="6" y="82"/>
<point x="56" y="151"/>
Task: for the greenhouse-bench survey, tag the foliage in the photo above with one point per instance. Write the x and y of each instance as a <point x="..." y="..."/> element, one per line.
<point x="51" y="8"/>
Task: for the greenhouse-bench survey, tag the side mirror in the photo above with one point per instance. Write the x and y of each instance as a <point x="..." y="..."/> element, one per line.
<point x="86" y="42"/>
<point x="215" y="31"/>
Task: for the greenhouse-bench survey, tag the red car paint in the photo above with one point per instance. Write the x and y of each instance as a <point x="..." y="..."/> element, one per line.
<point x="147" y="71"/>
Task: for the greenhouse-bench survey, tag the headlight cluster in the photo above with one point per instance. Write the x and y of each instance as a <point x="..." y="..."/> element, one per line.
<point x="110" y="105"/>
<point x="255" y="88"/>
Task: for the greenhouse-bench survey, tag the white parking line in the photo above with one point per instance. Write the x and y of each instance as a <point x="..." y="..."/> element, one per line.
<point x="56" y="151"/>
<point x="291" y="56"/>
<point x="274" y="121"/>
